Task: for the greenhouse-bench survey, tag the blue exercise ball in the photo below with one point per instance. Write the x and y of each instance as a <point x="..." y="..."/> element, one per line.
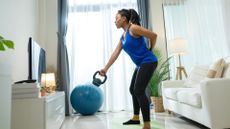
<point x="86" y="99"/>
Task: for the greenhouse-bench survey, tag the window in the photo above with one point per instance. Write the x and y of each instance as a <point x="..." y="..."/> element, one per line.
<point x="91" y="38"/>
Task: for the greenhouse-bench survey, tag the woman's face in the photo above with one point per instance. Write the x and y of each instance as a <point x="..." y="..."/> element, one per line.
<point x="120" y="20"/>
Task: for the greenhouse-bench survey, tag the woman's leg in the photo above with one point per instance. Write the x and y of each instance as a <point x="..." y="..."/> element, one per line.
<point x="143" y="77"/>
<point x="136" y="107"/>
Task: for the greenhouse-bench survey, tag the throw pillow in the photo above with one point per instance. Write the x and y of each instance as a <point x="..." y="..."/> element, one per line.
<point x="197" y="73"/>
<point x="226" y="70"/>
<point x="216" y="69"/>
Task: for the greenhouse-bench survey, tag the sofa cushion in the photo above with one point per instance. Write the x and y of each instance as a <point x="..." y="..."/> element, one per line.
<point x="216" y="69"/>
<point x="171" y="93"/>
<point x="190" y="96"/>
<point x="226" y="71"/>
<point x="197" y="74"/>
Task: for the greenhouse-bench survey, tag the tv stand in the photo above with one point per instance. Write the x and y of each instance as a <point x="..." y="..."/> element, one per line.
<point x="47" y="112"/>
<point x="26" y="81"/>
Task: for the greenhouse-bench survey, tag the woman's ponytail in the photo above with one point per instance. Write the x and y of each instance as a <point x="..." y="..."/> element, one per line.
<point x="134" y="17"/>
<point x="131" y="15"/>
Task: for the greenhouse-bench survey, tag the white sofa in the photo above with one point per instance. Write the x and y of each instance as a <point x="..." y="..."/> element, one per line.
<point x="206" y="101"/>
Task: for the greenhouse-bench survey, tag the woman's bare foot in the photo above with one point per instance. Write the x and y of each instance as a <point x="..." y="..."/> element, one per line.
<point x="146" y="128"/>
<point x="146" y="125"/>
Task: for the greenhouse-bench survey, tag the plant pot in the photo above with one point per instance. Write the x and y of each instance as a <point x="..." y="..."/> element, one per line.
<point x="43" y="93"/>
<point x="158" y="103"/>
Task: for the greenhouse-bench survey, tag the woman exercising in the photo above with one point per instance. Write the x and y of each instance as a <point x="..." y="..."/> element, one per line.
<point x="134" y="44"/>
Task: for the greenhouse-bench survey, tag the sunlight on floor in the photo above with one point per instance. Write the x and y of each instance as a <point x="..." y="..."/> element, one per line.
<point x="113" y="120"/>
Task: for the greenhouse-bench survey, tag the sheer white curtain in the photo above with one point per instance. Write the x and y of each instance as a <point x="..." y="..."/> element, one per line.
<point x="91" y="38"/>
<point x="203" y="24"/>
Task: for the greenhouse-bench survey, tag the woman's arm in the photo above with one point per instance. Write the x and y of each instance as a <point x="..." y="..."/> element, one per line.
<point x="136" y="31"/>
<point x="112" y="59"/>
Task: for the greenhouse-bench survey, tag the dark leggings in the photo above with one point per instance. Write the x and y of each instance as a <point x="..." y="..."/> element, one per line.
<point x="140" y="80"/>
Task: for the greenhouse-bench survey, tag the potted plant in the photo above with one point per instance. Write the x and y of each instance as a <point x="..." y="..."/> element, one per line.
<point x="5" y="42"/>
<point x="43" y="91"/>
<point x="161" y="73"/>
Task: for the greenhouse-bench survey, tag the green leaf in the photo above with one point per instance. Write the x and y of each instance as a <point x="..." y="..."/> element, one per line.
<point x="1" y="46"/>
<point x="5" y="43"/>
<point x="9" y="43"/>
<point x="160" y="74"/>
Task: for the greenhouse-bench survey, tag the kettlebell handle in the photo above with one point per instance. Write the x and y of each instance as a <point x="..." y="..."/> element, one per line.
<point x="97" y="72"/>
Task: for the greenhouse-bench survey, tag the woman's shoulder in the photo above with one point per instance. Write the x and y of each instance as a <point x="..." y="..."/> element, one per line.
<point x="135" y="29"/>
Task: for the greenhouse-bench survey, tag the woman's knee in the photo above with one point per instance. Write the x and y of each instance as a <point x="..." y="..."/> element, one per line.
<point x="138" y="92"/>
<point x="131" y="90"/>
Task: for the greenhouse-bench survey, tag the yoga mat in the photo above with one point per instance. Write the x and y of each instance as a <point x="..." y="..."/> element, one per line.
<point x="117" y="124"/>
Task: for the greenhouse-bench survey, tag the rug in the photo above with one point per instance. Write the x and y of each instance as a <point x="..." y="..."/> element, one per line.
<point x="117" y="124"/>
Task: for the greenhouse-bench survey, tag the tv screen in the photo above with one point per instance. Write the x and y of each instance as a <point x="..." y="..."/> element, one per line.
<point x="37" y="63"/>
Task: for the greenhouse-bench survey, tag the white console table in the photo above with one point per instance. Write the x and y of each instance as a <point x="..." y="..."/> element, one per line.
<point x="39" y="113"/>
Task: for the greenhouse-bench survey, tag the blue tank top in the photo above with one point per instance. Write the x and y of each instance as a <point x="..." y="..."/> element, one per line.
<point x="137" y="50"/>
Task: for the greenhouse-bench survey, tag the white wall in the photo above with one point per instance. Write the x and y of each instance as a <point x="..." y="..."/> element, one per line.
<point x="5" y="96"/>
<point x="226" y="10"/>
<point x="25" y="18"/>
<point x="18" y="22"/>
<point x="157" y="20"/>
<point x="48" y="32"/>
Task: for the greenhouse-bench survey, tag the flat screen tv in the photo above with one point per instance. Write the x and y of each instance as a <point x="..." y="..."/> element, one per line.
<point x="37" y="61"/>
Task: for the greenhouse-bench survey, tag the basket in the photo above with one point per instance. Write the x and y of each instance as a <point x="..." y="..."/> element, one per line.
<point x="158" y="104"/>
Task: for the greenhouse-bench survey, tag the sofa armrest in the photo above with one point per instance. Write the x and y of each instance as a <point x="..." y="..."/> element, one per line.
<point x="218" y="87"/>
<point x="173" y="83"/>
<point x="215" y="95"/>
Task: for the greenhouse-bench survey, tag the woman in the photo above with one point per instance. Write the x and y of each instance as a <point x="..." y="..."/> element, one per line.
<point x="133" y="42"/>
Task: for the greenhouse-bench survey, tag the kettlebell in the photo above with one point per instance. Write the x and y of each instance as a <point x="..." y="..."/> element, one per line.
<point x="97" y="81"/>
